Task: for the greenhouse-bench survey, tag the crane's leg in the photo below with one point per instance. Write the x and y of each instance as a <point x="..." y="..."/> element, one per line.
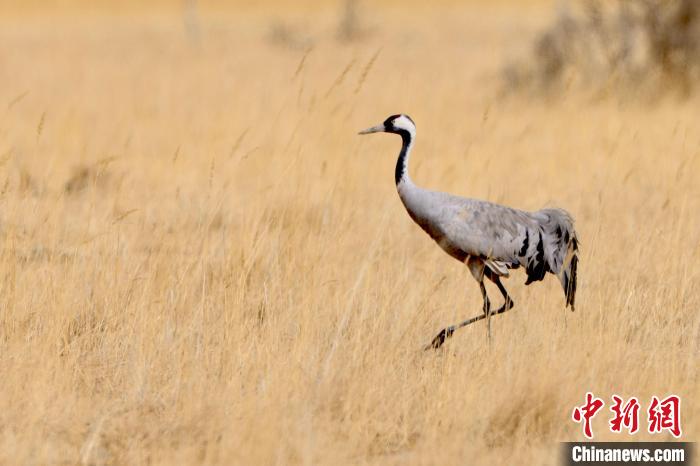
<point x="487" y="309"/>
<point x="477" y="269"/>
<point x="507" y="305"/>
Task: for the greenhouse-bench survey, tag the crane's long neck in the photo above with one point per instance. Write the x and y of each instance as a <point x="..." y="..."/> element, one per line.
<point x="401" y="173"/>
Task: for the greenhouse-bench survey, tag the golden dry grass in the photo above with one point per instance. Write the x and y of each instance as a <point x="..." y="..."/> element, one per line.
<point x="202" y="263"/>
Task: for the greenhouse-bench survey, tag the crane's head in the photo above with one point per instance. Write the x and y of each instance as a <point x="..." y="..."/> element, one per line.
<point x="397" y="124"/>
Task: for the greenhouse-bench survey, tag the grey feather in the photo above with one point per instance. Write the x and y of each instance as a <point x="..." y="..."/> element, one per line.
<point x="470" y="227"/>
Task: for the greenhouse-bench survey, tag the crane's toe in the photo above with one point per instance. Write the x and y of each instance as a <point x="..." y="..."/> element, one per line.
<point x="440" y="338"/>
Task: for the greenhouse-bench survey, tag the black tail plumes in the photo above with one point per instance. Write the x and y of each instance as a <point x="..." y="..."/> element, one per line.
<point x="560" y="251"/>
<point x="569" y="276"/>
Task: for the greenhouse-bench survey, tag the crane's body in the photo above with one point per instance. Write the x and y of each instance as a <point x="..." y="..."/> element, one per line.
<point x="489" y="238"/>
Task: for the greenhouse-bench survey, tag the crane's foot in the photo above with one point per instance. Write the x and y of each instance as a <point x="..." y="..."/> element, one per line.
<point x="440" y="338"/>
<point x="507" y="306"/>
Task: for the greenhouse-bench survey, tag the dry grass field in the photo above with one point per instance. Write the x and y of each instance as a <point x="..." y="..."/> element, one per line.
<point x="202" y="263"/>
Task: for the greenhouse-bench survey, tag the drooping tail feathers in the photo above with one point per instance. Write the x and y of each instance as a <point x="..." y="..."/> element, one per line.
<point x="568" y="277"/>
<point x="560" y="249"/>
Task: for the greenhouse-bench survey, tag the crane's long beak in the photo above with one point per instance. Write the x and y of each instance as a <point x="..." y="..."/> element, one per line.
<point x="373" y="129"/>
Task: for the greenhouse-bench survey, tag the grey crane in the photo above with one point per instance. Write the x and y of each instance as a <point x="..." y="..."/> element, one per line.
<point x="489" y="238"/>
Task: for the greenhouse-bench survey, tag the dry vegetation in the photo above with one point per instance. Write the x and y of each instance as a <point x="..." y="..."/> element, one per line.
<point x="202" y="263"/>
<point x="633" y="48"/>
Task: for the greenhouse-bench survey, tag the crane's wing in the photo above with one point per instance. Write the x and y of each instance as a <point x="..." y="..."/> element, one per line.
<point x="508" y="238"/>
<point x="490" y="231"/>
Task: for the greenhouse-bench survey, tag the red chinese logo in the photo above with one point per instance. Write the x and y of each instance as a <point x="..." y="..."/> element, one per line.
<point x="662" y="414"/>
<point x="665" y="415"/>
<point x="626" y="416"/>
<point x="586" y="412"/>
